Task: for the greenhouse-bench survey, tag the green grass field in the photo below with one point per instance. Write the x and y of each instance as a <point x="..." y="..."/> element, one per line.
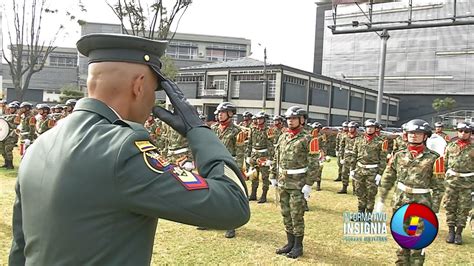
<point x="256" y="242"/>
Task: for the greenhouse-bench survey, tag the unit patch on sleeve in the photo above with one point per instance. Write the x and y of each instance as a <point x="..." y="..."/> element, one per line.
<point x="189" y="180"/>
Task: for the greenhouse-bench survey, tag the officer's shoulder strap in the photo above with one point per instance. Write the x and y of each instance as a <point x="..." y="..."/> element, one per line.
<point x="133" y="125"/>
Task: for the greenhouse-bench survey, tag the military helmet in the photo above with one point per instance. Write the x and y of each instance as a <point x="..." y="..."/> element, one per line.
<point x="226" y="107"/>
<point x="247" y="114"/>
<point x="13" y="105"/>
<point x="439" y="124"/>
<point x="261" y="114"/>
<point x="3" y="101"/>
<point x="202" y="117"/>
<point x="464" y="126"/>
<point x="16" y="102"/>
<point x="26" y="105"/>
<point x="71" y="102"/>
<point x="371" y="123"/>
<point x="418" y="125"/>
<point x="278" y="117"/>
<point x="345" y="124"/>
<point x="353" y="124"/>
<point x="295" y="111"/>
<point x="316" y="125"/>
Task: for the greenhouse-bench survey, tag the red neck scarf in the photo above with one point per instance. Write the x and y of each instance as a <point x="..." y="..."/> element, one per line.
<point x="352" y="135"/>
<point x="416" y="149"/>
<point x="261" y="127"/>
<point x="369" y="137"/>
<point x="224" y="125"/>
<point x="463" y="143"/>
<point x="294" y="132"/>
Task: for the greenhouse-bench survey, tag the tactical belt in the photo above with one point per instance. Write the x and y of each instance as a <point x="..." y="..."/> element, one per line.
<point x="452" y="172"/>
<point x="367" y="166"/>
<point x="178" y="151"/>
<point x="293" y="171"/>
<point x="410" y="190"/>
<point x="260" y="151"/>
<point x="349" y="151"/>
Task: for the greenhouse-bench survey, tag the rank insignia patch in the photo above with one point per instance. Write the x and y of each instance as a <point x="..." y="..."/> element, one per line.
<point x="188" y="179"/>
<point x="145" y="145"/>
<point x="156" y="162"/>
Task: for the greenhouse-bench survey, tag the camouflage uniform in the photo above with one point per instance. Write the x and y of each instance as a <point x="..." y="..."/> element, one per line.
<point x="443" y="135"/>
<point x="152" y="127"/>
<point x="399" y="143"/>
<point x="459" y="164"/>
<point x="322" y="149"/>
<point x="43" y="124"/>
<point x="340" y="152"/>
<point x="160" y="135"/>
<point x="177" y="148"/>
<point x="347" y="150"/>
<point x="233" y="139"/>
<point x="274" y="133"/>
<point x="370" y="160"/>
<point x="9" y="142"/>
<point x="294" y="153"/>
<point x="423" y="172"/>
<point x="259" y="149"/>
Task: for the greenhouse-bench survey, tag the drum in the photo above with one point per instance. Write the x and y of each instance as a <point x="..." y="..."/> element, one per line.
<point x="4" y="129"/>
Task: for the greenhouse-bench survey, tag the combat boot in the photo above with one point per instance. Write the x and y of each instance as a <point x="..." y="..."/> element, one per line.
<point x="263" y="198"/>
<point x="9" y="164"/>
<point x="297" y="250"/>
<point x="458" y="236"/>
<point x="318" y="185"/>
<point x="289" y="245"/>
<point x="230" y="233"/>
<point x="450" y="237"/>
<point x="253" y="194"/>
<point x="305" y="205"/>
<point x="343" y="190"/>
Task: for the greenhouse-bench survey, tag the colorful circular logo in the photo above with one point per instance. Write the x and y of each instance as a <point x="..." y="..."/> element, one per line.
<point x="414" y="226"/>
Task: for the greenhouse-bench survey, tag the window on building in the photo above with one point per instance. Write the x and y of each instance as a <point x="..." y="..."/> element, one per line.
<point x="182" y="50"/>
<point x="62" y="61"/>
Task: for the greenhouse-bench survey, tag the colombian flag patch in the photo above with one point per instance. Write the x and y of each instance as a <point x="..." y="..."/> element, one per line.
<point x="145" y="145"/>
<point x="189" y="180"/>
<point x="156" y="162"/>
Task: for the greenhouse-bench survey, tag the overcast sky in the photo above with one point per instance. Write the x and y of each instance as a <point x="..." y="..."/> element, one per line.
<point x="285" y="27"/>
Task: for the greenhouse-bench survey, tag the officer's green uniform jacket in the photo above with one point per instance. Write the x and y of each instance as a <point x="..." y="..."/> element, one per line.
<point x="96" y="198"/>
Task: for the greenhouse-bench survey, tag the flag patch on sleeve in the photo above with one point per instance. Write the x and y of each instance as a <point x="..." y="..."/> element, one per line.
<point x="189" y="180"/>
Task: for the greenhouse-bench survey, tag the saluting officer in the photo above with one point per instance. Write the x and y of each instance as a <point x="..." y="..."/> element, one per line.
<point x="419" y="175"/>
<point x="100" y="202"/>
<point x="259" y="152"/>
<point x="231" y="136"/>
<point x="296" y="167"/>
<point x="459" y="163"/>
<point x="339" y="152"/>
<point x="370" y="152"/>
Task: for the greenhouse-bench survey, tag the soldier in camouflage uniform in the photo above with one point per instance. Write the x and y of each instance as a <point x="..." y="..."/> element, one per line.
<point x="152" y="127"/>
<point x="370" y="152"/>
<point x="339" y="152"/>
<point x="247" y="116"/>
<point x="44" y="121"/>
<point x="69" y="107"/>
<point x="330" y="141"/>
<point x="459" y="164"/>
<point x="177" y="149"/>
<point x="27" y="126"/>
<point x="439" y="131"/>
<point x="9" y="142"/>
<point x="296" y="167"/>
<point x="231" y="136"/>
<point x="321" y="149"/>
<point x="347" y="149"/>
<point x="259" y="152"/>
<point x="277" y="129"/>
<point x="419" y="176"/>
<point x="400" y="142"/>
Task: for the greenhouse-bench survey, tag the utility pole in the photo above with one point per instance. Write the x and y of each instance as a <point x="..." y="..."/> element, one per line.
<point x="383" y="54"/>
<point x="265" y="77"/>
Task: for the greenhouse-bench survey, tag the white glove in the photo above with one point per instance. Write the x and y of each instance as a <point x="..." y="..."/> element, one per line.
<point x="268" y="162"/>
<point x="327" y="158"/>
<point x="337" y="153"/>
<point x="247" y="160"/>
<point x="306" y="191"/>
<point x="274" y="182"/>
<point x="27" y="142"/>
<point x="377" y="179"/>
<point x="351" y="174"/>
<point x="342" y="161"/>
<point x="379" y="206"/>
<point x="189" y="166"/>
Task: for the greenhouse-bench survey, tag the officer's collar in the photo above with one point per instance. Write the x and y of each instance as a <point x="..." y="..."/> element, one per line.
<point x="99" y="107"/>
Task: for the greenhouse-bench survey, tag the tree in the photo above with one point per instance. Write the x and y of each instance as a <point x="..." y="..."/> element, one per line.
<point x="156" y="24"/>
<point x="447" y="103"/>
<point x="70" y="91"/>
<point x="28" y="51"/>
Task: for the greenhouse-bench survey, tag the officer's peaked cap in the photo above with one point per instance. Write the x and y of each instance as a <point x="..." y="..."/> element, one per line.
<point x="122" y="48"/>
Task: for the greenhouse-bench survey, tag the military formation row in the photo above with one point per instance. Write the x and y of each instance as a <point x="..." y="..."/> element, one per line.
<point x="22" y="124"/>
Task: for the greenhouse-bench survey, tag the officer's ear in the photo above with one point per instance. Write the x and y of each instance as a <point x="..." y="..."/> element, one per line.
<point x="138" y="85"/>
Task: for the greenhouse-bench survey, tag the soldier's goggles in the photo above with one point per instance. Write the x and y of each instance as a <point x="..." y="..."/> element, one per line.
<point x="464" y="131"/>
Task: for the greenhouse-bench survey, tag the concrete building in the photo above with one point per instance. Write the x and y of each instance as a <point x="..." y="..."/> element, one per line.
<point x="421" y="64"/>
<point x="60" y="70"/>
<point x="328" y="100"/>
